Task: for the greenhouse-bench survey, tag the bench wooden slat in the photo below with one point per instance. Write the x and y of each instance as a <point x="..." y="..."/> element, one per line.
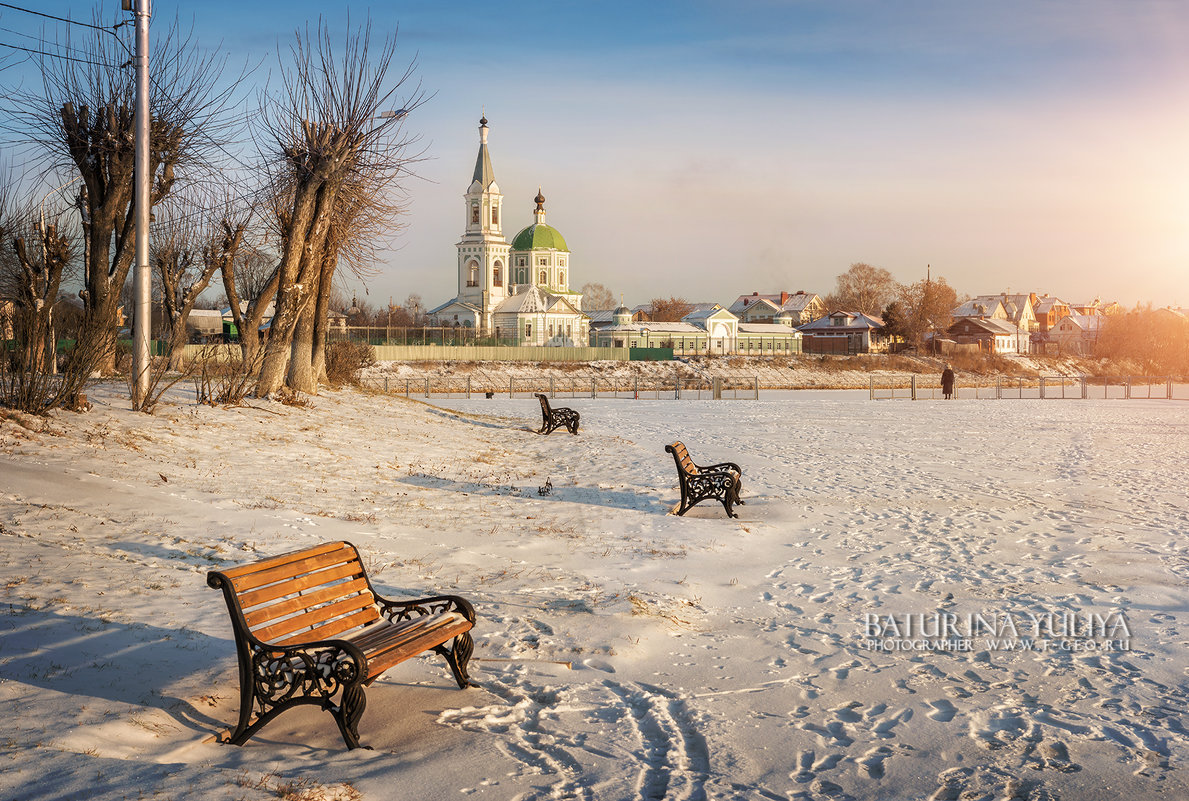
<point x="285" y="558"/>
<point x="248" y="600"/>
<point x="288" y="606"/>
<point x="331" y="619"/>
<point x="253" y="580"/>
<point x="334" y="630"/>
<point x="382" y="659"/>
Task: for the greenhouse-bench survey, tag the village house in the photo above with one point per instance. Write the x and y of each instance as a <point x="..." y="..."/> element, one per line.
<point x="801" y="307"/>
<point x="1077" y="334"/>
<point x="991" y="335"/>
<point x="1013" y="310"/>
<point x="844" y="332"/>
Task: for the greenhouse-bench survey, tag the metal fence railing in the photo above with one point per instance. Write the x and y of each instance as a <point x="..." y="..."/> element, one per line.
<point x="636" y="388"/>
<point x="912" y="387"/>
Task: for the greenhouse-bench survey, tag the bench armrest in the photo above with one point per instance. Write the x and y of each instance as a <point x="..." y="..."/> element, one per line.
<point x="327" y="663"/>
<point x="395" y="610"/>
<point x="722" y="466"/>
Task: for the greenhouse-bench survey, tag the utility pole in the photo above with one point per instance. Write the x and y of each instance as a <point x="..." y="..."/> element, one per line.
<point x="142" y="278"/>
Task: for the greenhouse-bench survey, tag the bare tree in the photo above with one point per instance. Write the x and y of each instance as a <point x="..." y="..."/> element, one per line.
<point x="596" y="297"/>
<point x="923" y="307"/>
<point x="862" y="288"/>
<point x="669" y="311"/>
<point x="81" y="122"/>
<point x="189" y="246"/>
<point x="337" y="155"/>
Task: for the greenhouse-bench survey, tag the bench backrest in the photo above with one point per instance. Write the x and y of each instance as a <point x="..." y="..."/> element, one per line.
<point x="544" y="404"/>
<point x="681" y="455"/>
<point x="299" y="597"/>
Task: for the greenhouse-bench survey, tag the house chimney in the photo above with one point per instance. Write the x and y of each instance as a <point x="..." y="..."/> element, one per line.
<point x="784" y="297"/>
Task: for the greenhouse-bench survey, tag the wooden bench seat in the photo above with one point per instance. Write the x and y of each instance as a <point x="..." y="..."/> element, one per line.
<point x="721" y="482"/>
<point x="309" y="626"/>
<point x="555" y="418"/>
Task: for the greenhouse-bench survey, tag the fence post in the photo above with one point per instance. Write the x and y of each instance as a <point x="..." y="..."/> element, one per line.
<point x="406" y="387"/>
<point x="716" y="388"/>
<point x="510" y="379"/>
<point x="468" y="387"/>
<point x="677" y="388"/>
<point x="871" y="388"/>
<point x="1168" y="388"/>
<point x="1127" y="389"/>
<point x="592" y="387"/>
<point x="636" y="388"/>
<point x="1083" y="388"/>
<point x="914" y="386"/>
<point x="427" y="386"/>
<point x="1042" y="387"/>
<point x="756" y="380"/>
<point x="552" y="393"/>
<point x="998" y="387"/>
<point x="385" y="385"/>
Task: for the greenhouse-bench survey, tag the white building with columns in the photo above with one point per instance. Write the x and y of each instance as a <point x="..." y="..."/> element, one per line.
<point x="518" y="292"/>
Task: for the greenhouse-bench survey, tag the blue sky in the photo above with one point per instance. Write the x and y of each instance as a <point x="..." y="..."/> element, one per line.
<point x="708" y="149"/>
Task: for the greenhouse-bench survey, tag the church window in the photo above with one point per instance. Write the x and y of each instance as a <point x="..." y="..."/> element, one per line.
<point x="528" y="330"/>
<point x="561" y="278"/>
<point x="544" y="277"/>
<point x="473" y="274"/>
<point x="496" y="278"/>
<point x="495" y="215"/>
<point x="475" y="214"/>
<point x="562" y="262"/>
<point x="542" y="260"/>
<point x="551" y="330"/>
<point x="521" y="260"/>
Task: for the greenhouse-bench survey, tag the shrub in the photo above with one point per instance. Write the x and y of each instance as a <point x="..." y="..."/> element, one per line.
<point x="344" y="360"/>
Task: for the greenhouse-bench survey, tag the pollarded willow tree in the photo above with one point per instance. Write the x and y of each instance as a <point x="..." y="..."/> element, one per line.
<point x="337" y="133"/>
<point x="80" y="123"/>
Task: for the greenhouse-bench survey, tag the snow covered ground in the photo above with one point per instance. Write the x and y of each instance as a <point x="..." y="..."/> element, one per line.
<point x="623" y="653"/>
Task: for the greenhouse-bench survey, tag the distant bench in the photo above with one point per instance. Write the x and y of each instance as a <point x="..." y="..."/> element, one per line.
<point x="721" y="482"/>
<point x="308" y="625"/>
<point x="556" y="418"/>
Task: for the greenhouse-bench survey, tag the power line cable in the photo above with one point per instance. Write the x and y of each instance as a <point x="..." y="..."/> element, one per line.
<point x="54" y="55"/>
<point x="111" y="30"/>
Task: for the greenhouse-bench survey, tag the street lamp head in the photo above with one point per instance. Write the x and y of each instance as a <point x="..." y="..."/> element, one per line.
<point x="400" y="113"/>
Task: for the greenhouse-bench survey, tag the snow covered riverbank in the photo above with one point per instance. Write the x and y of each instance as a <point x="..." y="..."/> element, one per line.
<point x="624" y="653"/>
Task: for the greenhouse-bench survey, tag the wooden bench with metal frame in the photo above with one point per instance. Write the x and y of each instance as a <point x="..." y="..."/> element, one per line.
<point x="721" y="482"/>
<point x="554" y="419"/>
<point x="308" y="626"/>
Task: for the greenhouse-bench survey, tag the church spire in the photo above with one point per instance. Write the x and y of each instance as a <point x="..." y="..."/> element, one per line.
<point x="484" y="174"/>
<point x="539" y="212"/>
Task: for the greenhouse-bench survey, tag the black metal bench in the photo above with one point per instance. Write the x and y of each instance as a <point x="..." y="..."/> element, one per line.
<point x="308" y="625"/>
<point x="554" y="419"/>
<point x="721" y="482"/>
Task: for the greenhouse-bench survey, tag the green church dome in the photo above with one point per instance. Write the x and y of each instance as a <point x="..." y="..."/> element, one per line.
<point x="539" y="235"/>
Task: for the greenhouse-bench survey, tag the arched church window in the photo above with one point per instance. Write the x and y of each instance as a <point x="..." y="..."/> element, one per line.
<point x="561" y="278"/>
<point x="473" y="274"/>
<point x="496" y="278"/>
<point x="544" y="277"/>
<point x="475" y="214"/>
<point x="495" y="215"/>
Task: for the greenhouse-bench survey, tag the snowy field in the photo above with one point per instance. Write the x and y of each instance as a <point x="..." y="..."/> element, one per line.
<point x="623" y="653"/>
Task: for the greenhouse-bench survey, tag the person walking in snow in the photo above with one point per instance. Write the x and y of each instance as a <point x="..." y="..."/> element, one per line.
<point x="947" y="382"/>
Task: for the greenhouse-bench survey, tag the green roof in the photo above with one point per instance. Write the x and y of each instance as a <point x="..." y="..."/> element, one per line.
<point x="537" y="236"/>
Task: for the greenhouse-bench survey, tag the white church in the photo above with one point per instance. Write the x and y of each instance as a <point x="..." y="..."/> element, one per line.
<point x="519" y="293"/>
